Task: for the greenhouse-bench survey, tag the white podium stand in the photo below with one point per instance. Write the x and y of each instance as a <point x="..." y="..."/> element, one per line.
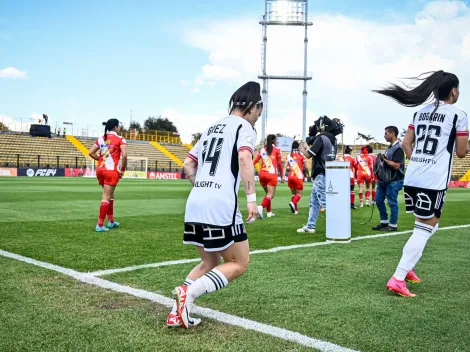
<point x="338" y="203"/>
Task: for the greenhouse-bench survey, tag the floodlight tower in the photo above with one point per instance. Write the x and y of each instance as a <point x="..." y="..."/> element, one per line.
<point x="284" y="13"/>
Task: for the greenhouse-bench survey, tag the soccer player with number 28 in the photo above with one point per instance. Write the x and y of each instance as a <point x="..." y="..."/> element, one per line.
<point x="213" y="222"/>
<point x="437" y="130"/>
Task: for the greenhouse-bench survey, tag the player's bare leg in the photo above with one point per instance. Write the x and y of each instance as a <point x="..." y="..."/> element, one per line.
<point x="412" y="252"/>
<point x="271" y="191"/>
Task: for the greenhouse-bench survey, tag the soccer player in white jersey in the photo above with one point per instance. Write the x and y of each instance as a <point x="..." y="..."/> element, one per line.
<point x="213" y="222"/>
<point x="437" y="130"/>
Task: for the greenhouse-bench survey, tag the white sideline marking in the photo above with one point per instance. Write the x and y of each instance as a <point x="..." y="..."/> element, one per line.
<point x="205" y="312"/>
<point x="260" y="251"/>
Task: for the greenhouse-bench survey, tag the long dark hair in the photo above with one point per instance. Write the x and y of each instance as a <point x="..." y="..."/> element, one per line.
<point x="369" y="149"/>
<point x="295" y="147"/>
<point x="269" y="143"/>
<point x="245" y="98"/>
<point x="435" y="86"/>
<point x="109" y="126"/>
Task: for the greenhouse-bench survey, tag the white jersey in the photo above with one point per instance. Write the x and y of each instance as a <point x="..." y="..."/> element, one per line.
<point x="214" y="197"/>
<point x="430" y="165"/>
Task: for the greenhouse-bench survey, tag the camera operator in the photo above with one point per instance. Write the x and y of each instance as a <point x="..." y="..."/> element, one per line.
<point x="322" y="148"/>
<point x="390" y="171"/>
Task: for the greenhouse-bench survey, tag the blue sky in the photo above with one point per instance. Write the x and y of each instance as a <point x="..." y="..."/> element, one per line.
<point x="87" y="61"/>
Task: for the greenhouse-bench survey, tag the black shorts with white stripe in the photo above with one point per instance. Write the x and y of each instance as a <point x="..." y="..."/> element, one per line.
<point x="213" y="238"/>
<point x="424" y="203"/>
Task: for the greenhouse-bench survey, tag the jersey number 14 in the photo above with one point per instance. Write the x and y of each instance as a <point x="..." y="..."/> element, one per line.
<point x="213" y="154"/>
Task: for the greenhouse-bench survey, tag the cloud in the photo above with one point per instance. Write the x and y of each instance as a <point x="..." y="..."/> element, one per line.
<point x="195" y="89"/>
<point x="184" y="83"/>
<point x="348" y="58"/>
<point x="12" y="72"/>
<point x="188" y="123"/>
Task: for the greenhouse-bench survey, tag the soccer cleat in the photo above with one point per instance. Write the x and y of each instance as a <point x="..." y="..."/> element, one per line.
<point x="412" y="277"/>
<point x="292" y="207"/>
<point x="399" y="287"/>
<point x="362" y="205"/>
<point x="367" y="203"/>
<point x="305" y="229"/>
<point x="322" y="210"/>
<point x="183" y="308"/>
<point x="101" y="229"/>
<point x="353" y="206"/>
<point x="173" y="322"/>
<point x="270" y="215"/>
<point x="389" y="228"/>
<point x="296" y="212"/>
<point x="260" y="212"/>
<point x="113" y="225"/>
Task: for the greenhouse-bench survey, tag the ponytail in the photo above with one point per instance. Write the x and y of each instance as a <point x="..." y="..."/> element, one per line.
<point x="269" y="145"/>
<point x="435" y="86"/>
<point x="109" y="126"/>
<point x="105" y="129"/>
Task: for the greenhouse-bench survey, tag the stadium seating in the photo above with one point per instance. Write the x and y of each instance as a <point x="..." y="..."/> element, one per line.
<point x="156" y="159"/>
<point x="179" y="151"/>
<point x="22" y="150"/>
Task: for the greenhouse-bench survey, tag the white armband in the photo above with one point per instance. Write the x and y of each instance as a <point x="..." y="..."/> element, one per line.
<point x="251" y="197"/>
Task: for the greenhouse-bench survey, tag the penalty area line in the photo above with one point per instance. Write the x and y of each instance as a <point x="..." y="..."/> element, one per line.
<point x="260" y="251"/>
<point x="244" y="323"/>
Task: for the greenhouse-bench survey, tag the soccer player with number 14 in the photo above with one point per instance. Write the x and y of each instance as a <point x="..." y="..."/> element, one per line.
<point x="213" y="222"/>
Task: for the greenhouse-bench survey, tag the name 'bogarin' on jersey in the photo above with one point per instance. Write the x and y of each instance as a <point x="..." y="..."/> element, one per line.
<point x="431" y="162"/>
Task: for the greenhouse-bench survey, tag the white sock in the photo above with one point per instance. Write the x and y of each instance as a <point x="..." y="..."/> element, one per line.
<point x="413" y="249"/>
<point x="214" y="280"/>
<point x="187" y="282"/>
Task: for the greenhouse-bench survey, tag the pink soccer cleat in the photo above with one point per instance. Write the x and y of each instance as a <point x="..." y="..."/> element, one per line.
<point x="399" y="287"/>
<point x="412" y="277"/>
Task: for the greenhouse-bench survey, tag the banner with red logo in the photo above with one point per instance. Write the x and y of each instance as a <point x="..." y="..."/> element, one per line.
<point x="8" y="172"/>
<point x="459" y="184"/>
<point x="74" y="172"/>
<point x="155" y="175"/>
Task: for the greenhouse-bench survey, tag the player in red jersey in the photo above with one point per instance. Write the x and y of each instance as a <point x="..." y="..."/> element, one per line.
<point x="111" y="147"/>
<point x="353" y="170"/>
<point x="374" y="176"/>
<point x="271" y="162"/>
<point x="364" y="174"/>
<point x="296" y="162"/>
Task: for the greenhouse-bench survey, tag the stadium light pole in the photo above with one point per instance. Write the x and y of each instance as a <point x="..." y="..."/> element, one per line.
<point x="284" y="13"/>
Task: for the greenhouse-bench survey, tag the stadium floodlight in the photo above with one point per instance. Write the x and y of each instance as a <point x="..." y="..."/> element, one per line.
<point x="287" y="11"/>
<point x="284" y="13"/>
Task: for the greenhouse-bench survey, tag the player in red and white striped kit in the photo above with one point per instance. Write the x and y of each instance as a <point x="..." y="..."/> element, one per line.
<point x="112" y="147"/>
<point x="353" y="169"/>
<point x="364" y="174"/>
<point x="374" y="176"/>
